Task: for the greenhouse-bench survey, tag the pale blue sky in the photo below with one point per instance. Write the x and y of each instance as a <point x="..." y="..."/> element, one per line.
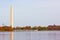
<point x="31" y="12"/>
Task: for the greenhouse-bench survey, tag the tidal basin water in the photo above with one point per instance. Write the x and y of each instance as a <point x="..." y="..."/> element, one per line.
<point x="31" y="35"/>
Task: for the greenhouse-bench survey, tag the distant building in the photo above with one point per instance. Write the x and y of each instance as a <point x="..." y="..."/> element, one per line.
<point x="53" y="27"/>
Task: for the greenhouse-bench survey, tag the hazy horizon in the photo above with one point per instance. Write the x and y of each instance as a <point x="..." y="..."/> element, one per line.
<point x="30" y="12"/>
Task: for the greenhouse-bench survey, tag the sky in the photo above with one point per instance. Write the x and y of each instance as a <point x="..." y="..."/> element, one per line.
<point x="30" y="12"/>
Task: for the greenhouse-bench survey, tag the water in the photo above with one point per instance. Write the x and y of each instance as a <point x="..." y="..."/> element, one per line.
<point x="31" y="35"/>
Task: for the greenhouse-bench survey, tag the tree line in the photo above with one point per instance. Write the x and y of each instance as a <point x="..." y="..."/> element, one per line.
<point x="29" y="28"/>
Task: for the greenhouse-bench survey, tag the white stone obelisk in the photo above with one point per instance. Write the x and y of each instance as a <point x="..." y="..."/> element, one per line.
<point x="11" y="16"/>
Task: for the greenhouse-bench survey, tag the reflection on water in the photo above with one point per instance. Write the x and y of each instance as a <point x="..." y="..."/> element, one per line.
<point x="4" y="36"/>
<point x="42" y="35"/>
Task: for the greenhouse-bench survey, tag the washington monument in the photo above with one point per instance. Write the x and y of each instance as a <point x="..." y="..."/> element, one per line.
<point x="11" y="16"/>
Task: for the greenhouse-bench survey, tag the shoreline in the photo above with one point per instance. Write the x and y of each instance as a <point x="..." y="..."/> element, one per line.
<point x="29" y="31"/>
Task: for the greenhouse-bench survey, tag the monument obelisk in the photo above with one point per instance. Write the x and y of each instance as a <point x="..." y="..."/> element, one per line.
<point x="11" y="16"/>
<point x="11" y="22"/>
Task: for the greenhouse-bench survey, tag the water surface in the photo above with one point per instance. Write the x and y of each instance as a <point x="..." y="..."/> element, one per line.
<point x="31" y="35"/>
